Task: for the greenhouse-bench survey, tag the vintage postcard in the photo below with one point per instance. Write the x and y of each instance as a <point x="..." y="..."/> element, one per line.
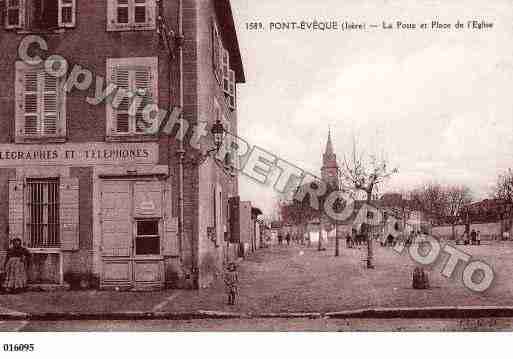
<point x="255" y="166"/>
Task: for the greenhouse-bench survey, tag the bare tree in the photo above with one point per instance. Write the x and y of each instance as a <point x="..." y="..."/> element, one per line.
<point x="457" y="198"/>
<point x="431" y="199"/>
<point x="503" y="191"/>
<point x="364" y="174"/>
<point x="504" y="188"/>
<point x="444" y="204"/>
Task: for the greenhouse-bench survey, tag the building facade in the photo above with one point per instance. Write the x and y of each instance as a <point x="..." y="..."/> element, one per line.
<point x="91" y="186"/>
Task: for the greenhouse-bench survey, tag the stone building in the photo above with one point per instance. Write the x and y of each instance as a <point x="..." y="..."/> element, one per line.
<point x="89" y="185"/>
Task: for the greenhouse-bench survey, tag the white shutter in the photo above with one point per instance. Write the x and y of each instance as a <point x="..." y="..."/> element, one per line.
<point x="144" y="14"/>
<point x="14" y="14"/>
<point x="69" y="214"/>
<point x="232" y="100"/>
<point x="137" y="76"/>
<point x="67" y="13"/>
<point x="226" y="71"/>
<point x="31" y="79"/>
<point x="145" y="88"/>
<point x="49" y="104"/>
<point x="40" y="103"/>
<point x="16" y="206"/>
<point x="121" y="116"/>
<point x="125" y="15"/>
<point x="118" y="15"/>
<point x="216" y="52"/>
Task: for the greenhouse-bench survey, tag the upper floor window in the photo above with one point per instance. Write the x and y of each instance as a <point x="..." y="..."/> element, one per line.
<point x="137" y="77"/>
<point x="39" y="14"/>
<point x="131" y="15"/>
<point x="40" y="103"/>
<point x="222" y="71"/>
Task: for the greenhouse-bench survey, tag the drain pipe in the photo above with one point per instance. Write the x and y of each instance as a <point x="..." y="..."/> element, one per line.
<point x="181" y="149"/>
<point x="176" y="41"/>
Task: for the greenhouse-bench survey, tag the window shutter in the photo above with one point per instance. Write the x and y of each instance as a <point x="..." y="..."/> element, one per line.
<point x="234" y="203"/>
<point x="40" y="103"/>
<point x="120" y="115"/>
<point x="219" y="213"/>
<point x="226" y="71"/>
<point x="216" y="52"/>
<point x="145" y="88"/>
<point x="137" y="76"/>
<point x="170" y="240"/>
<point x="14" y="14"/>
<point x="69" y="214"/>
<point x="232" y="100"/>
<point x="16" y="206"/>
<point x="50" y="104"/>
<point x="118" y="15"/>
<point x="67" y="13"/>
<point x="125" y="15"/>
<point x="27" y="100"/>
<point x="213" y="206"/>
<point x="144" y="14"/>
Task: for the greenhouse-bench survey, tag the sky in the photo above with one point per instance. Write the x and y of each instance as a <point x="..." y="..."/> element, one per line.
<point x="437" y="103"/>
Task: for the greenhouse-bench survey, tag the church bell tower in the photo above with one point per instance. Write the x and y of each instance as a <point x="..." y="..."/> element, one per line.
<point x="330" y="169"/>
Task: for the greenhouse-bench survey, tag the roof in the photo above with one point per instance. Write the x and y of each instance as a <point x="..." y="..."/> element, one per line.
<point x="227" y="27"/>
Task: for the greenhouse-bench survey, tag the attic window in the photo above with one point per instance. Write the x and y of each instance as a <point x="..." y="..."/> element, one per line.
<point x="39" y="14"/>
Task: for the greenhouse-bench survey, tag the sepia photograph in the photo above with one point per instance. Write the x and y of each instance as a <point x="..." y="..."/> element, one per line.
<point x="254" y="166"/>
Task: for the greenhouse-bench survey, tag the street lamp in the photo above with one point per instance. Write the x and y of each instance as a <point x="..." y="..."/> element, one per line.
<point x="218" y="132"/>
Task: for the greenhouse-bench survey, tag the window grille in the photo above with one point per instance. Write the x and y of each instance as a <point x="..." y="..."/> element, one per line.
<point x="42" y="215"/>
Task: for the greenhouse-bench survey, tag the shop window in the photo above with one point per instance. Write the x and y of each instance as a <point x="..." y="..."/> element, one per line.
<point x="136" y="78"/>
<point x="42" y="214"/>
<point x="39" y="14"/>
<point x="147" y="240"/>
<point x="40" y="103"/>
<point x="131" y="15"/>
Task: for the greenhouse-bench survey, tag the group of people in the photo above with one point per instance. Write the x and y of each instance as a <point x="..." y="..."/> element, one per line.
<point x="472" y="238"/>
<point x="13" y="274"/>
<point x="355" y="240"/>
<point x="287" y="239"/>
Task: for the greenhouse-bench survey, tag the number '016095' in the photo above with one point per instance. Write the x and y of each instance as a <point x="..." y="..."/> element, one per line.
<point x="18" y="347"/>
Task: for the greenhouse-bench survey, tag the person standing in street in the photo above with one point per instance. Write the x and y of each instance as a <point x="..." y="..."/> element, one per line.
<point x="15" y="268"/>
<point x="231" y="280"/>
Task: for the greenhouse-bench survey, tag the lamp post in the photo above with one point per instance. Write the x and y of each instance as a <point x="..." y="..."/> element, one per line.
<point x="218" y="133"/>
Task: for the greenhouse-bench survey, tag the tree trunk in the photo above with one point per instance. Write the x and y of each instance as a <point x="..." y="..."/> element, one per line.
<point x="337" y="241"/>
<point x="319" y="244"/>
<point x="370" y="240"/>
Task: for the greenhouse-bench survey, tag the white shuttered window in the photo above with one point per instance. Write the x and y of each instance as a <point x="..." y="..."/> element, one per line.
<point x="137" y="86"/>
<point x="40" y="103"/>
<point x="40" y="14"/>
<point x="131" y="15"/>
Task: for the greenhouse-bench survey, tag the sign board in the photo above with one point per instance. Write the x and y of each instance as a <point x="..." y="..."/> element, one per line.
<point x="90" y="153"/>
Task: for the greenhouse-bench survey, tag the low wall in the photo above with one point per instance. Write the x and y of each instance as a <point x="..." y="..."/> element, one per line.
<point x="488" y="230"/>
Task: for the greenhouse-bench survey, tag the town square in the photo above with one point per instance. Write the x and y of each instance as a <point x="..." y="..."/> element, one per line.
<point x="216" y="165"/>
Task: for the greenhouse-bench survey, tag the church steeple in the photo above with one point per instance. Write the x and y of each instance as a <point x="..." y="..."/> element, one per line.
<point x="329" y="145"/>
<point x="329" y="170"/>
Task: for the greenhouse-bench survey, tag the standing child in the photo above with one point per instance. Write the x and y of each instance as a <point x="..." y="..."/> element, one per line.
<point x="231" y="279"/>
